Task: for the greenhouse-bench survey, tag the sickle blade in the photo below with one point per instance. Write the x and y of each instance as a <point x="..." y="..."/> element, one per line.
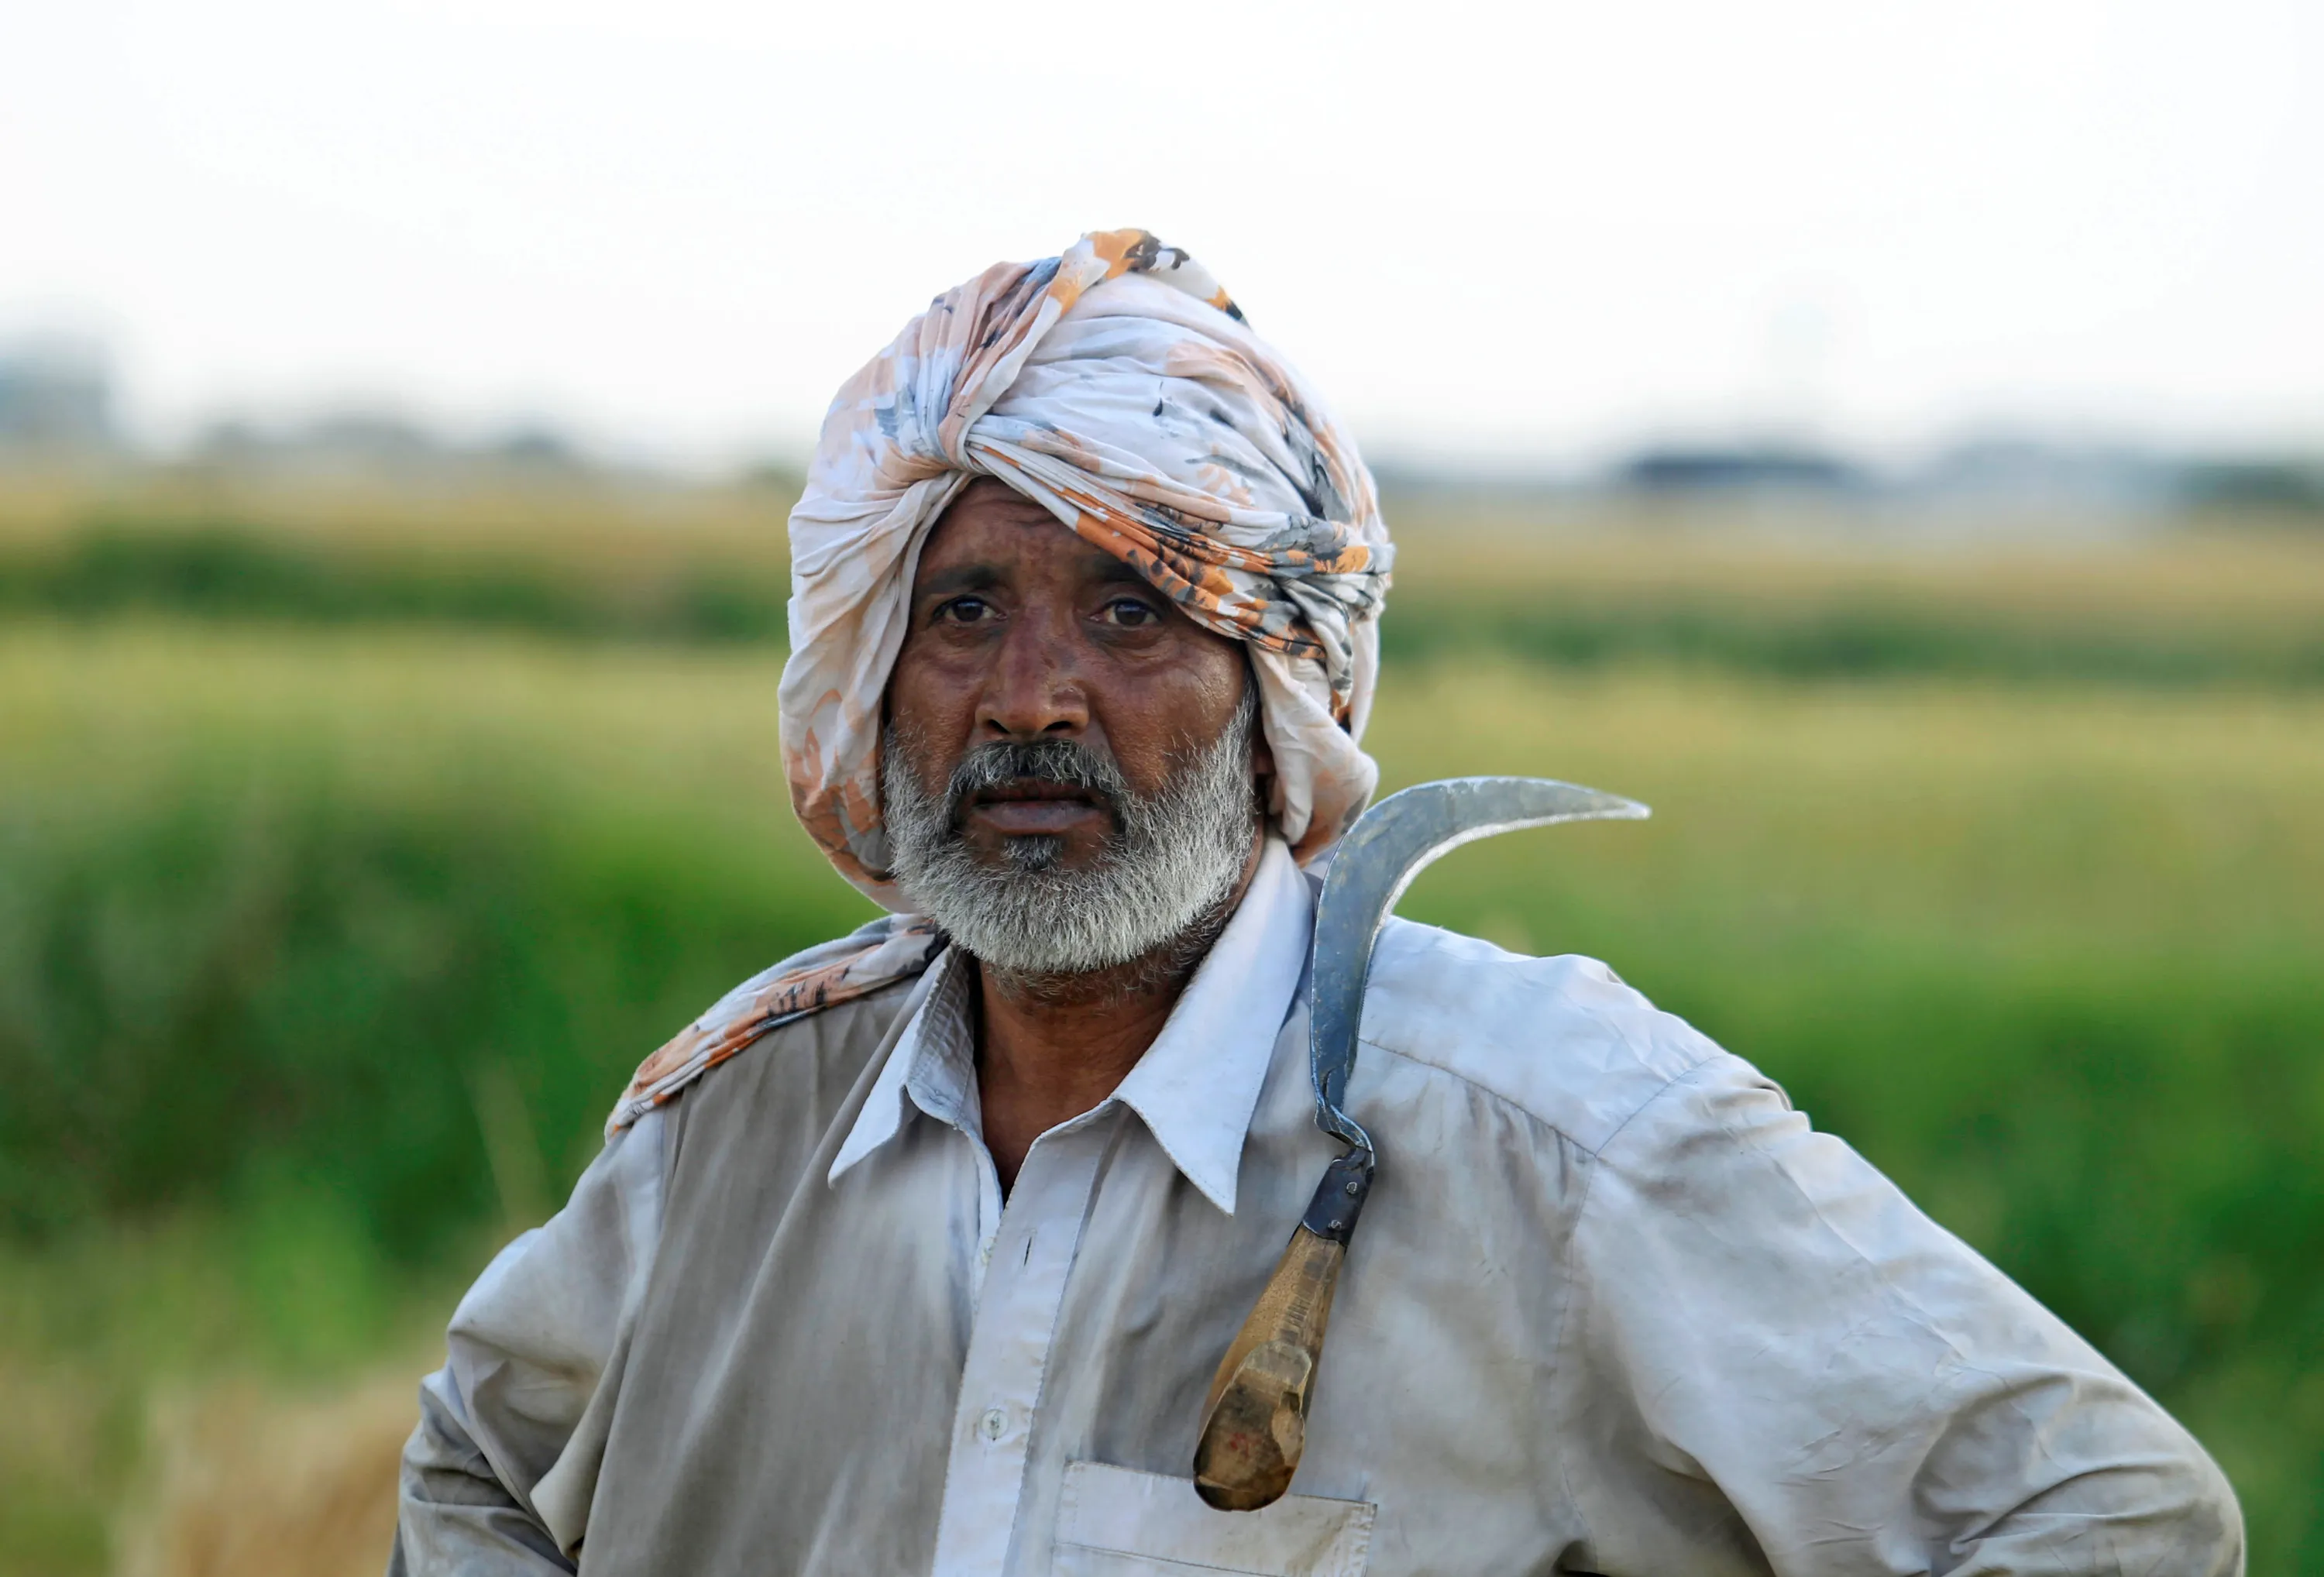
<point x="1393" y="841"/>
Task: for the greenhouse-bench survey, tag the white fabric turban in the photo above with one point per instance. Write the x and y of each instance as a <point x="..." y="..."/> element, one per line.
<point x="1119" y="387"/>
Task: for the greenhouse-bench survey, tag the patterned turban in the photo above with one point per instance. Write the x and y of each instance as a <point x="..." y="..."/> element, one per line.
<point x="1119" y="388"/>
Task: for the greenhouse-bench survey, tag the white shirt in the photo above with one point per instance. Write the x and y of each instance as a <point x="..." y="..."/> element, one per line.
<point x="1613" y="1307"/>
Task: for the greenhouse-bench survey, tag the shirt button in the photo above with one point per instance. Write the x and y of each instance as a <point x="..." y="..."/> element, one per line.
<point x="993" y="1424"/>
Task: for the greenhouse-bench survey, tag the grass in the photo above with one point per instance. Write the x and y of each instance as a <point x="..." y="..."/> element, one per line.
<point x="2207" y="604"/>
<point x="2048" y="957"/>
<point x="322" y="961"/>
<point x="325" y="950"/>
<point x="571" y="559"/>
<point x="2200" y="603"/>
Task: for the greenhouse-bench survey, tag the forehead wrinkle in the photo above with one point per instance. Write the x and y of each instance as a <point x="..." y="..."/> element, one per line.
<point x="990" y="495"/>
<point x="990" y="554"/>
<point x="976" y="575"/>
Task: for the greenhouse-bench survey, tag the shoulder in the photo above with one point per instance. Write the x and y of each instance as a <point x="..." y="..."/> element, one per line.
<point x="1561" y="1039"/>
<point x="888" y="951"/>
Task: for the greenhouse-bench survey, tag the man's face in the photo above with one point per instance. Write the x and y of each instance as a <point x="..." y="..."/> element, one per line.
<point x="1058" y="731"/>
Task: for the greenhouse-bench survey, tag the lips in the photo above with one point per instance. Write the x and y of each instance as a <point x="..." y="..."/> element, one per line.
<point x="1032" y="788"/>
<point x="1029" y="806"/>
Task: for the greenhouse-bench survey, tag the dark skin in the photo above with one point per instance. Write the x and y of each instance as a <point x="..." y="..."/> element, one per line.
<point x="1021" y="631"/>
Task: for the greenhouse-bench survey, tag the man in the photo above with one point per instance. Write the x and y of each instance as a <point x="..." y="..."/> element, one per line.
<point x="918" y="1252"/>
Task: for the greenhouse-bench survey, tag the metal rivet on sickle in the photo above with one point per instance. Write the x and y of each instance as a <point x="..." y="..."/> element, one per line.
<point x="1353" y="1185"/>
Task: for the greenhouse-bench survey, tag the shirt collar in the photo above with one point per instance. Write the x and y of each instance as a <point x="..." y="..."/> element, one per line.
<point x="932" y="1066"/>
<point x="1197" y="1085"/>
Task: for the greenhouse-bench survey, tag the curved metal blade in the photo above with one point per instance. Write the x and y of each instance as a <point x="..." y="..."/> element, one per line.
<point x="1393" y="841"/>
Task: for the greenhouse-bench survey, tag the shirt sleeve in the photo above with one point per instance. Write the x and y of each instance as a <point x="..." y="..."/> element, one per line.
<point x="1770" y="1327"/>
<point x="497" y="1478"/>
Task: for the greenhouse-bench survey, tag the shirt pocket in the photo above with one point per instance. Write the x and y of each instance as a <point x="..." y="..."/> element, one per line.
<point x="1112" y="1521"/>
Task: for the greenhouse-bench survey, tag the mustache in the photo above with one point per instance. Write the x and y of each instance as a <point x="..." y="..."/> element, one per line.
<point x="1067" y="763"/>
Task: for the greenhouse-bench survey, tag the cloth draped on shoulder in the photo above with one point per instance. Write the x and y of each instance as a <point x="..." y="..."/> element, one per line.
<point x="1119" y="387"/>
<point x="880" y="954"/>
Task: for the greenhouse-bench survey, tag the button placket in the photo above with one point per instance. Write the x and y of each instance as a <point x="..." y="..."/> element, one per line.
<point x="1030" y="1258"/>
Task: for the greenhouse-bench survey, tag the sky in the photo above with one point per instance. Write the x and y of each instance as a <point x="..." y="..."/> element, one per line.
<point x="1529" y="232"/>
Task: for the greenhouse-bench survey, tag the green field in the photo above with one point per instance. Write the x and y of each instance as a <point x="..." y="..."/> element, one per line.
<point x="328" y="930"/>
<point x="2225" y="600"/>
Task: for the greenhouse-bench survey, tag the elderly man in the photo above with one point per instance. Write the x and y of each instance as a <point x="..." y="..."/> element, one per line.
<point x="918" y="1251"/>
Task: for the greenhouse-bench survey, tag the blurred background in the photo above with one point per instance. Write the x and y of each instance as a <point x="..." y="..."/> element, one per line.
<point x="1888" y="439"/>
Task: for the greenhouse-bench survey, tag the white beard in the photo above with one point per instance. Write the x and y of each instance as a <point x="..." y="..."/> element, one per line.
<point x="1163" y="877"/>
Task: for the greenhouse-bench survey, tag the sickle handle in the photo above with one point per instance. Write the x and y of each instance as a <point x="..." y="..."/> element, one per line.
<point x="1255" y="1423"/>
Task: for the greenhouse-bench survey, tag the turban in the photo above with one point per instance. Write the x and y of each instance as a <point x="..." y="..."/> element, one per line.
<point x="1119" y="388"/>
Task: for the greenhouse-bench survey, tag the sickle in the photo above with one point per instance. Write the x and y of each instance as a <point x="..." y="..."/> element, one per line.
<point x="1255" y="1423"/>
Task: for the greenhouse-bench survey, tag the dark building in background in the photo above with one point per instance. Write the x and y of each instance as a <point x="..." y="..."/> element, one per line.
<point x="56" y="399"/>
<point x="1686" y="471"/>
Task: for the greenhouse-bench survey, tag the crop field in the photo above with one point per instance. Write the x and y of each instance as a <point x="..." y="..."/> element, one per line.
<point x="2209" y="603"/>
<point x="339" y="895"/>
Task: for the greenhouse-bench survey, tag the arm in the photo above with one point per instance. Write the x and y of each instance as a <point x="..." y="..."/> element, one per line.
<point x="1773" y="1318"/>
<point x="497" y="1480"/>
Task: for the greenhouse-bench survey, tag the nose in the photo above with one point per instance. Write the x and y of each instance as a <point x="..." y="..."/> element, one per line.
<point x="1034" y="688"/>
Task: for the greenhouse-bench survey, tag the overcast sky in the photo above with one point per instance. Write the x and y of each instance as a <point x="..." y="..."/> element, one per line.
<point x="1534" y="229"/>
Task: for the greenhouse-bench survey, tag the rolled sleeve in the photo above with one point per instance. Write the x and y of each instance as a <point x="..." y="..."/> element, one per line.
<point x="498" y="1476"/>
<point x="1772" y="1319"/>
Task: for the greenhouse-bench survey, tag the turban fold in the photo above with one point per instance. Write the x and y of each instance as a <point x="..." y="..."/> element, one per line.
<point x="1119" y="388"/>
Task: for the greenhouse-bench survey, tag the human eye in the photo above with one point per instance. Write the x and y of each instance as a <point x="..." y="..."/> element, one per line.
<point x="1130" y="613"/>
<point x="963" y="611"/>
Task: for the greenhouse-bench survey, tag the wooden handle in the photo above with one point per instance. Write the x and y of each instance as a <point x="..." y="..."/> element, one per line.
<point x="1255" y="1424"/>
